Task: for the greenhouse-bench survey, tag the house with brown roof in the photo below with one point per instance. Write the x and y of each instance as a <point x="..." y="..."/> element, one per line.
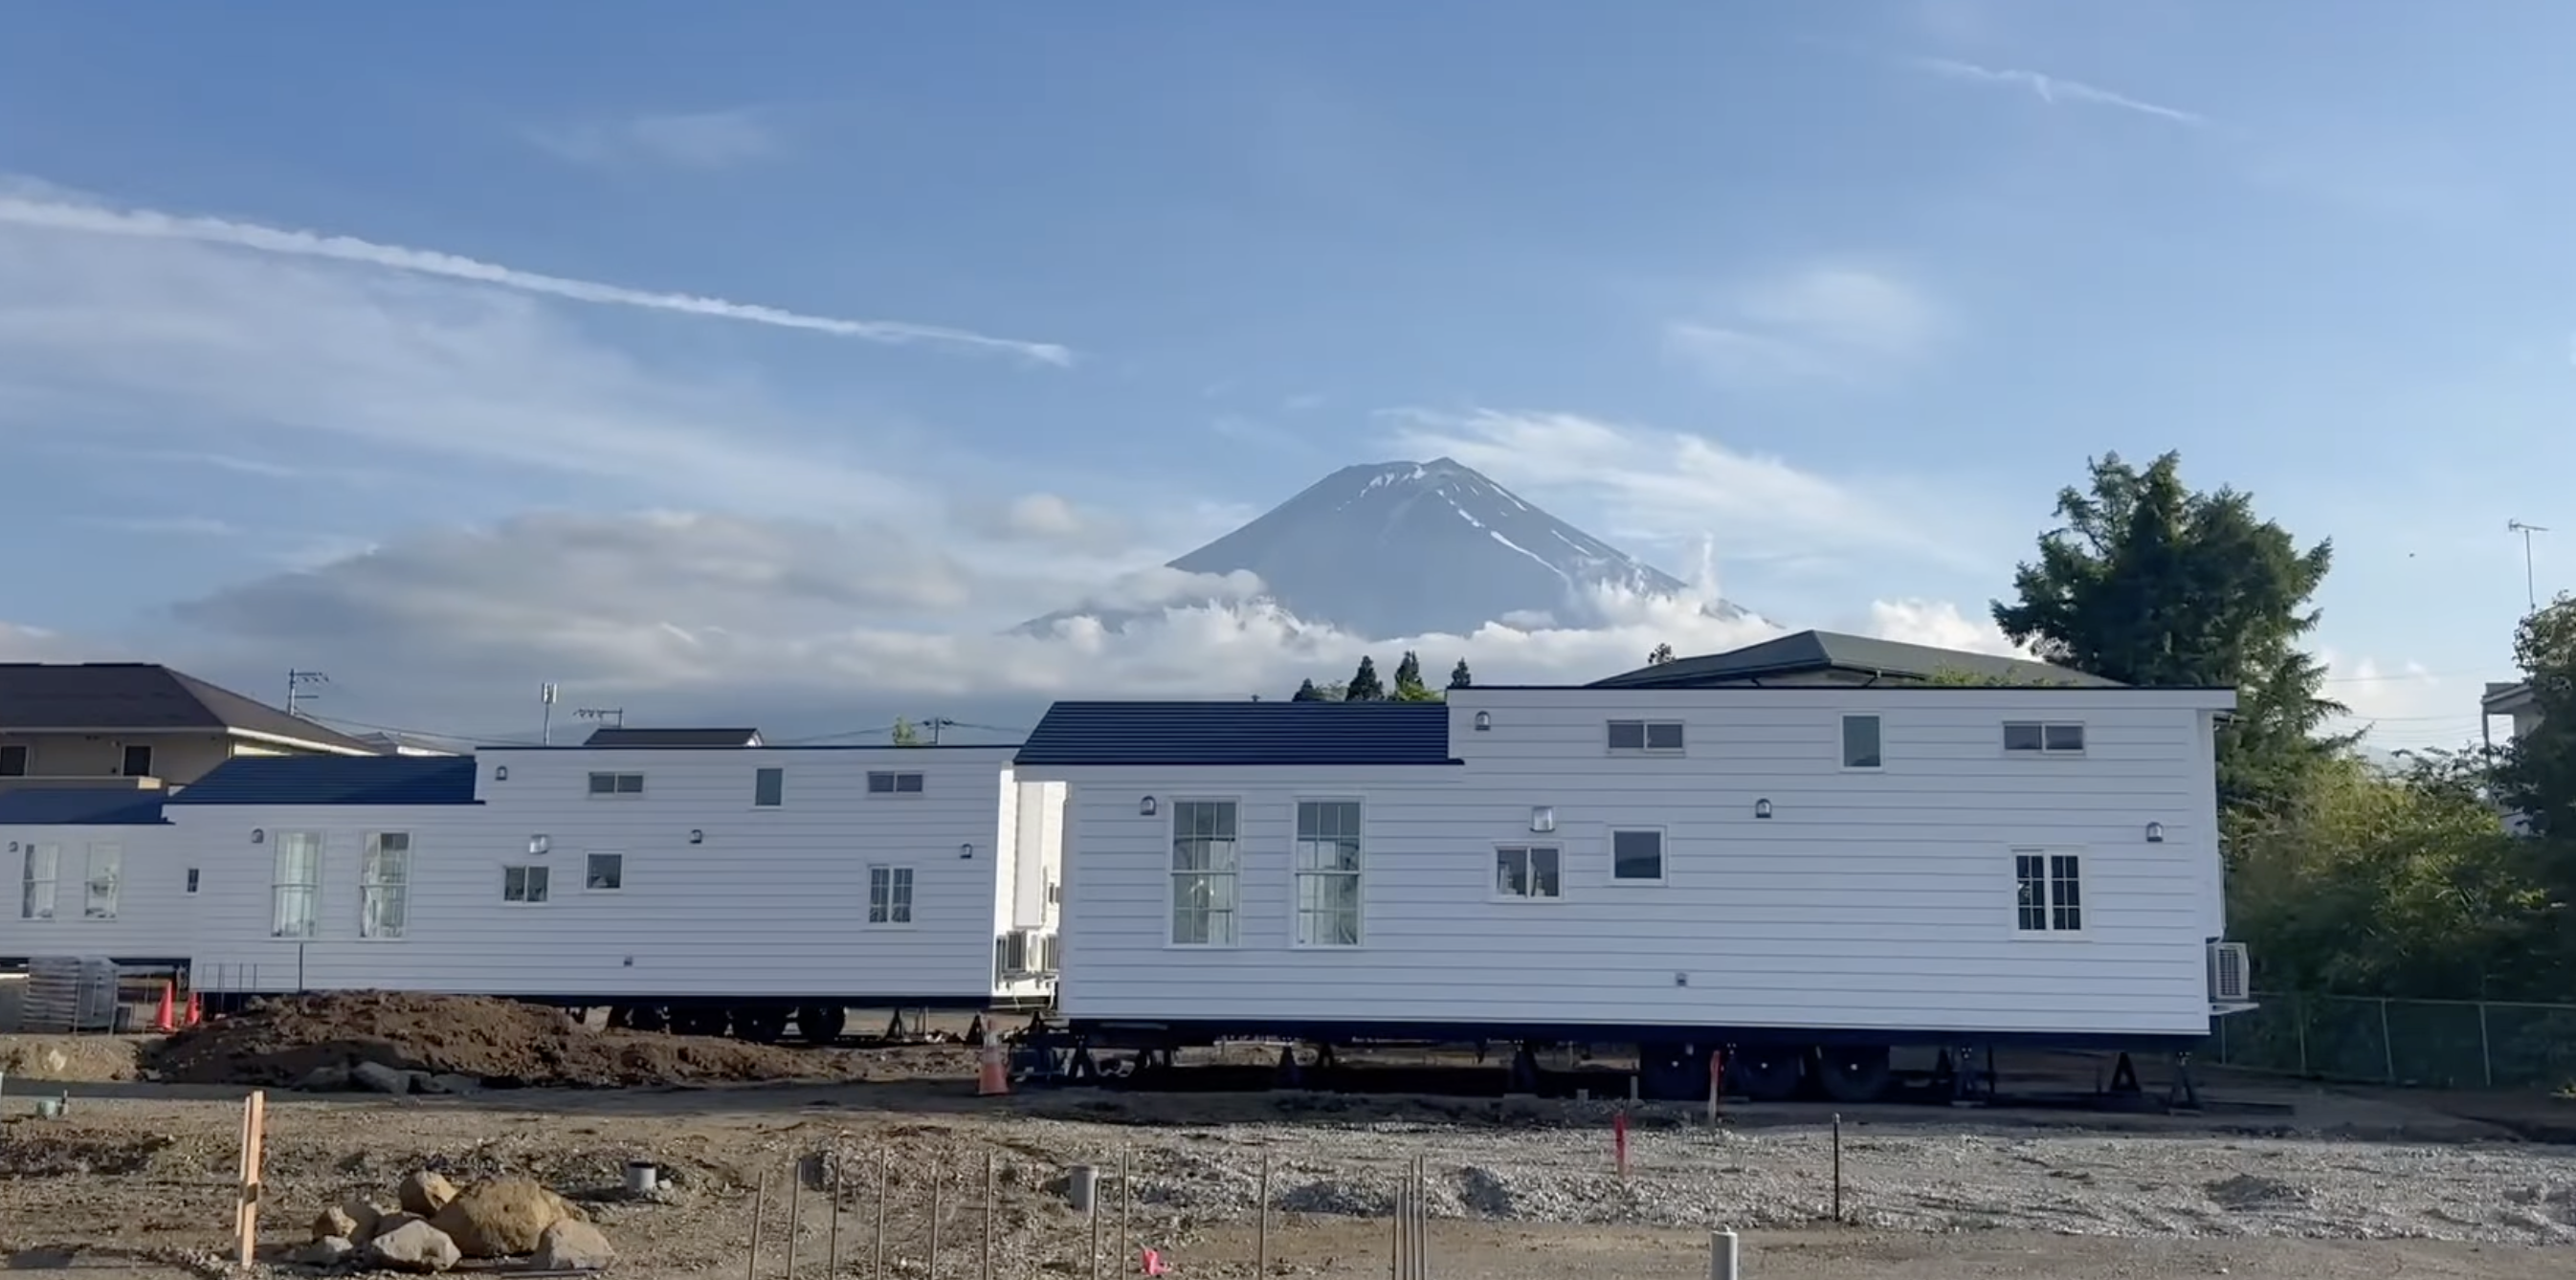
<point x="136" y="725"/>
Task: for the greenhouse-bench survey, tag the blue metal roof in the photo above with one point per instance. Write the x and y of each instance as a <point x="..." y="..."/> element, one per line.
<point x="334" y="780"/>
<point x="81" y="807"/>
<point x="1240" y="733"/>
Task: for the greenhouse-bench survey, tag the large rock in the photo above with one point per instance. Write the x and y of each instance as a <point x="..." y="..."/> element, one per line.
<point x="414" y="1246"/>
<point x="501" y="1217"/>
<point x="326" y="1252"/>
<point x="572" y="1245"/>
<point x="379" y="1077"/>
<point x="352" y="1219"/>
<point x="425" y="1192"/>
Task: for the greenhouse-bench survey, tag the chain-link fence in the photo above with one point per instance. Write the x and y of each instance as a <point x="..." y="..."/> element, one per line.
<point x="2442" y="1044"/>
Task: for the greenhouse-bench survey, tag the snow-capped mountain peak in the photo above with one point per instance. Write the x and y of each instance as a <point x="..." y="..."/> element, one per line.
<point x="1407" y="548"/>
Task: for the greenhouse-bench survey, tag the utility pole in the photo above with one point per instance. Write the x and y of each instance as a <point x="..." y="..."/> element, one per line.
<point x="546" y="700"/>
<point x="2530" y="584"/>
<point x="934" y="724"/>
<point x="296" y="684"/>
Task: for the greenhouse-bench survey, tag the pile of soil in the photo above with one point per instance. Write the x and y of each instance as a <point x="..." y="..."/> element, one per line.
<point x="503" y="1043"/>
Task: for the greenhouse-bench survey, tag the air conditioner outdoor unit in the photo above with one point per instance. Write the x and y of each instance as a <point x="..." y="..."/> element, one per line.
<point x="2230" y="975"/>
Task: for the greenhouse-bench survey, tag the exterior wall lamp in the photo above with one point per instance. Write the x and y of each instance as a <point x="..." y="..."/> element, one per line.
<point x="258" y="836"/>
<point x="697" y="837"/>
<point x="1762" y="808"/>
<point x="2155" y="833"/>
<point x="1146" y="806"/>
<point x="966" y="850"/>
<point x="1542" y="818"/>
<point x="1484" y="721"/>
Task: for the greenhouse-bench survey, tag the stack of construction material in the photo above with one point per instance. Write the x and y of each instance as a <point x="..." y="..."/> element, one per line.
<point x="70" y="994"/>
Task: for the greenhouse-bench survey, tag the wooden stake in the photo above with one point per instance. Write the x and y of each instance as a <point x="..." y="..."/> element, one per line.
<point x="254" y="1130"/>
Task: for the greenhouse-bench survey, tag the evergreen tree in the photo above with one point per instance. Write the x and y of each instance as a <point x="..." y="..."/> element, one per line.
<point x="1408" y="670"/>
<point x="1364" y="685"/>
<point x="1662" y="654"/>
<point x="1306" y="692"/>
<point x="1459" y="677"/>
<point x="2536" y="772"/>
<point x="2152" y="584"/>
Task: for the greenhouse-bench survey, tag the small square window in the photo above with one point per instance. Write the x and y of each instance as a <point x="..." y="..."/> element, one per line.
<point x="606" y="872"/>
<point x="1636" y="856"/>
<point x="2022" y="737"/>
<point x="617" y="784"/>
<point x="523" y="884"/>
<point x="768" y="787"/>
<point x="1860" y="743"/>
<point x="2062" y="737"/>
<point x="1529" y="871"/>
<point x="894" y="784"/>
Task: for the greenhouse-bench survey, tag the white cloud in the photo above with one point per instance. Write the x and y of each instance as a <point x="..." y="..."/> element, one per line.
<point x="1670" y="483"/>
<point x="1940" y="624"/>
<point x="2056" y="90"/>
<point x="689" y="140"/>
<point x="671" y="610"/>
<point x="46" y="212"/>
<point x="282" y="368"/>
<point x="2402" y="704"/>
<point x="1828" y="321"/>
<point x="1050" y="519"/>
<point x="36" y="644"/>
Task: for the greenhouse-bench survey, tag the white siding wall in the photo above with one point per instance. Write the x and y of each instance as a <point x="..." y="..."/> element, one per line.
<point x="1880" y="900"/>
<point x="151" y="904"/>
<point x="774" y="902"/>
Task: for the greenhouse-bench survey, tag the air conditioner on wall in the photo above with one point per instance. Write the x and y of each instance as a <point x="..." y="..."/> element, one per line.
<point x="2230" y="974"/>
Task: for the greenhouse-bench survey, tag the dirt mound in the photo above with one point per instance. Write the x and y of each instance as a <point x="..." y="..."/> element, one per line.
<point x="503" y="1043"/>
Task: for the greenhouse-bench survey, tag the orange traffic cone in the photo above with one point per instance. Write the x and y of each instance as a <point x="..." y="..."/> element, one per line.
<point x="992" y="1074"/>
<point x="167" y="1023"/>
<point x="196" y="1009"/>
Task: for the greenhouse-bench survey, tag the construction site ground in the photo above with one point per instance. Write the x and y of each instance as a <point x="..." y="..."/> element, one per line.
<point x="137" y="1176"/>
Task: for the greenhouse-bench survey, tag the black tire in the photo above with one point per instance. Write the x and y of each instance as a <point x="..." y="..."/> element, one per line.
<point x="762" y="1023"/>
<point x="1672" y="1072"/>
<point x="1767" y="1073"/>
<point x="821" y="1023"/>
<point x="648" y="1017"/>
<point x="1854" y="1073"/>
<point x="699" y="1020"/>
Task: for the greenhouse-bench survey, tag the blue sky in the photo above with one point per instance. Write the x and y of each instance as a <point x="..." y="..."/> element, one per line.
<point x="1844" y="292"/>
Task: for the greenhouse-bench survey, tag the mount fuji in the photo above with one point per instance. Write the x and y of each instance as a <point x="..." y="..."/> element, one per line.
<point x="1397" y="549"/>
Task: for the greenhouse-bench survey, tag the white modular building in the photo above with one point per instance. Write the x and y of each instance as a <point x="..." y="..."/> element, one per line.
<point x="698" y="887"/>
<point x="1810" y="876"/>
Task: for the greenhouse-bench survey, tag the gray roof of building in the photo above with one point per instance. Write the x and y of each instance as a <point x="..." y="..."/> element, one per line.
<point x="613" y="736"/>
<point x="139" y="696"/>
<point x="334" y="780"/>
<point x="1240" y="733"/>
<point x="1812" y="651"/>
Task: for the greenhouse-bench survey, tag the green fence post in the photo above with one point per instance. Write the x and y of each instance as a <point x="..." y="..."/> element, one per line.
<point x="2387" y="1046"/>
<point x="2486" y="1056"/>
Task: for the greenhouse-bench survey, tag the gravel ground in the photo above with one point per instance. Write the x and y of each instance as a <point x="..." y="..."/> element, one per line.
<point x="144" y="1178"/>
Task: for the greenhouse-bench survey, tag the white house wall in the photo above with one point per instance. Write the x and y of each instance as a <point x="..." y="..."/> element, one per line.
<point x="774" y="902"/>
<point x="150" y="905"/>
<point x="1870" y="900"/>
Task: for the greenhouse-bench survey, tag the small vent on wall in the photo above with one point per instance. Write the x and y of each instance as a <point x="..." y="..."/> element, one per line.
<point x="2229" y="981"/>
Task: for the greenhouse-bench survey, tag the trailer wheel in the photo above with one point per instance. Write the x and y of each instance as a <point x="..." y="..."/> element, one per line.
<point x="1768" y="1073"/>
<point x="699" y="1019"/>
<point x="1854" y="1073"/>
<point x="820" y="1023"/>
<point x="764" y="1022"/>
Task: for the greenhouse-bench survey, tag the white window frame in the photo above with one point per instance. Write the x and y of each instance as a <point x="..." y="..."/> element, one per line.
<point x="1610" y="852"/>
<point x="2052" y="859"/>
<point x="883" y="906"/>
<point x="526" y="870"/>
<point x="1230" y="875"/>
<point x="2083" y="735"/>
<point x="1646" y="737"/>
<point x="384" y="877"/>
<point x="1878" y="732"/>
<point x="1528" y="851"/>
<point x="763" y="774"/>
<point x="1301" y="874"/>
<point x="103" y="863"/>
<point x="34" y="904"/>
<point x="894" y="784"/>
<point x="589" y="859"/>
<point x="308" y="891"/>
<point x="617" y="780"/>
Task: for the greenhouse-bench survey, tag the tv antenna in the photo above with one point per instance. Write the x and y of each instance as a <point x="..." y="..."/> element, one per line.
<point x="2530" y="585"/>
<point x="297" y="682"/>
<point x="615" y="716"/>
